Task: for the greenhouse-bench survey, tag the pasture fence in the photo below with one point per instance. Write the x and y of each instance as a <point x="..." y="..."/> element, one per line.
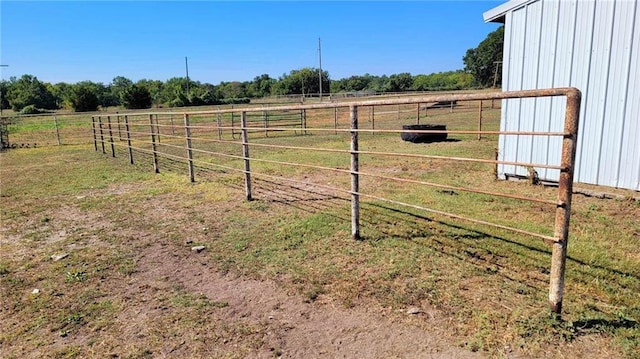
<point x="209" y="139"/>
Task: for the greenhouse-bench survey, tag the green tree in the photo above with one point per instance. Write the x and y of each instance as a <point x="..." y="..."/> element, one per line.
<point x="303" y="81"/>
<point x="155" y="89"/>
<point x="135" y="97"/>
<point x="28" y="90"/>
<point x="400" y="82"/>
<point x="233" y="89"/>
<point x="261" y="86"/>
<point x="481" y="61"/>
<point x="84" y="97"/>
<point x="63" y="92"/>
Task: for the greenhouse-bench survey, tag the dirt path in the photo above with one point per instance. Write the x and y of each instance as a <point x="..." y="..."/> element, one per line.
<point x="290" y="327"/>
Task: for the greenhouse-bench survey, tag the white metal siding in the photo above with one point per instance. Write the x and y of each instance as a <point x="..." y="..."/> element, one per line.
<point x="588" y="44"/>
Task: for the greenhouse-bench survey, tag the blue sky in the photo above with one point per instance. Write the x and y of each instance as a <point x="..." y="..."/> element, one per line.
<point x="72" y="41"/>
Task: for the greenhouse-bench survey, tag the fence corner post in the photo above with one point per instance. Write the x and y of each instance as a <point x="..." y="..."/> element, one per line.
<point x="563" y="210"/>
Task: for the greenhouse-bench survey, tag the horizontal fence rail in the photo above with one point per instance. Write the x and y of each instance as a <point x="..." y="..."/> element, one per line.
<point x="240" y="140"/>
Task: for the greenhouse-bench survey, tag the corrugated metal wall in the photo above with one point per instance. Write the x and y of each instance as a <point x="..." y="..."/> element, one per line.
<point x="588" y="44"/>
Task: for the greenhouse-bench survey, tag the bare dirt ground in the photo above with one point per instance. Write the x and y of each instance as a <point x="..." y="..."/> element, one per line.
<point x="289" y="326"/>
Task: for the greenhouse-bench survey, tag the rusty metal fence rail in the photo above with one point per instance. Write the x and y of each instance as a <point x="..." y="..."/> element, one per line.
<point x="212" y="136"/>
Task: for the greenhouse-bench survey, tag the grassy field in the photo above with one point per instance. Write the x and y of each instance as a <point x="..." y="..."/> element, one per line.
<point x="485" y="289"/>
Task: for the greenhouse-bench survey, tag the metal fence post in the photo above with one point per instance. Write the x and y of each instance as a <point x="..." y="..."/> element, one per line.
<point x="480" y="120"/>
<point x="113" y="148"/>
<point x="55" y="122"/>
<point x="304" y="120"/>
<point x="563" y="210"/>
<point x="373" y="119"/>
<point x="355" y="185"/>
<point x="126" y="126"/>
<point x="173" y="131"/>
<point x="101" y="134"/>
<point x="233" y="130"/>
<point x="265" y="119"/>
<point x="187" y="131"/>
<point x="418" y="114"/>
<point x="119" y="127"/>
<point x="219" y="123"/>
<point x="93" y="128"/>
<point x="335" y="120"/>
<point x="157" y="126"/>
<point x="153" y="145"/>
<point x="245" y="155"/>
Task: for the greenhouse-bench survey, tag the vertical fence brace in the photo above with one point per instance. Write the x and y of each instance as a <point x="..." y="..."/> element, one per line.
<point x="126" y="124"/>
<point x="55" y="123"/>
<point x="418" y="114"/>
<point x="119" y="127"/>
<point x="480" y="121"/>
<point x="219" y="124"/>
<point x="101" y="134"/>
<point x="335" y="120"/>
<point x="265" y="119"/>
<point x="304" y="120"/>
<point x="373" y="119"/>
<point x="173" y="131"/>
<point x="187" y="134"/>
<point x="153" y="145"/>
<point x="245" y="155"/>
<point x="157" y="126"/>
<point x="563" y="210"/>
<point x="113" y="147"/>
<point x="355" y="185"/>
<point x="233" y="131"/>
<point x="93" y="128"/>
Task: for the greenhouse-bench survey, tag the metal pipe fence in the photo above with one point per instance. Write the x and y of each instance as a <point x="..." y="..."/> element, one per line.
<point x="209" y="139"/>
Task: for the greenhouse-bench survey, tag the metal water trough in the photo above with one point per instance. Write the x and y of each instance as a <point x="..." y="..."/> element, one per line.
<point x="423" y="137"/>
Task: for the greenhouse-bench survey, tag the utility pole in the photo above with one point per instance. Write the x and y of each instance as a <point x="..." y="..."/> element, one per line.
<point x="186" y="65"/>
<point x="320" y="70"/>
<point x="1" y="94"/>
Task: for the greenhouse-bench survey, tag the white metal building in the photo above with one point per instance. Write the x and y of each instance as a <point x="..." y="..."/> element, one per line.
<point x="593" y="45"/>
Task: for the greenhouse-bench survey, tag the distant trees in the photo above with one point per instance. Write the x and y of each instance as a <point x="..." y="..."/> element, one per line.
<point x="481" y="61"/>
<point x="28" y="90"/>
<point x="450" y="80"/>
<point x="123" y="92"/>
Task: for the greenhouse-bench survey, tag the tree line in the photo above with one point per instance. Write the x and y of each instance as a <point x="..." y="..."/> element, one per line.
<point x="27" y="94"/>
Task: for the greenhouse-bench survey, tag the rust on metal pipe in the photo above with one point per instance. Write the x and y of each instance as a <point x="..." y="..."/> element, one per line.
<point x="563" y="211"/>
